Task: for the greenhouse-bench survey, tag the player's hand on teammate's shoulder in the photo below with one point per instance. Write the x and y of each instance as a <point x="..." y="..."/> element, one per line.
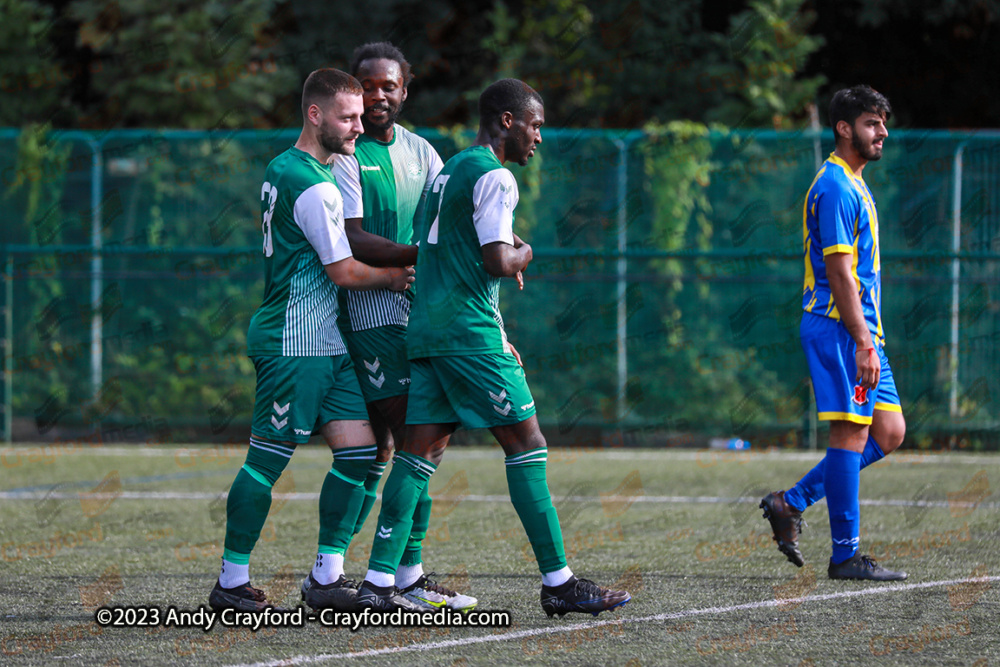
<point x="401" y="278"/>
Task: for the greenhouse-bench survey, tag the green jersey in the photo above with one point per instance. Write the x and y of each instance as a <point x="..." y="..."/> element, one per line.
<point x="383" y="184"/>
<point x="303" y="224"/>
<point x="456" y="310"/>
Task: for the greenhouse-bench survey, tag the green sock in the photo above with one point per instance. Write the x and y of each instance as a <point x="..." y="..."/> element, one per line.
<point x="529" y="493"/>
<point x="407" y="481"/>
<point x="371" y="490"/>
<point x="341" y="497"/>
<point x="250" y="497"/>
<point x="421" y="519"/>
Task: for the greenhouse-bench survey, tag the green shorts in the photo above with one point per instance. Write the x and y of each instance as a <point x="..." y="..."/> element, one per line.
<point x="379" y="357"/>
<point x="478" y="391"/>
<point x="297" y="395"/>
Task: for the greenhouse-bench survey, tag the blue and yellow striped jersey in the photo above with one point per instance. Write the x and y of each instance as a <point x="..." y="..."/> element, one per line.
<point x="839" y="216"/>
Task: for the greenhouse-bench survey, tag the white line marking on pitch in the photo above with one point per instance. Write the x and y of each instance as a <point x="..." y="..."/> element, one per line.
<point x="521" y="634"/>
<point x="202" y="495"/>
<point x="707" y="457"/>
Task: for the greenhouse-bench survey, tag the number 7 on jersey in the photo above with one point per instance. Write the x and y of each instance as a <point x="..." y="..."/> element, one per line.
<point x="268" y="190"/>
<point x="439" y="183"/>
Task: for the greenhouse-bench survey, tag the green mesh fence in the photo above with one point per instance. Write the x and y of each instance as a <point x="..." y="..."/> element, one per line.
<point x="662" y="306"/>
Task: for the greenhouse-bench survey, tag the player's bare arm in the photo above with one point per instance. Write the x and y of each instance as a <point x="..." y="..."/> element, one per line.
<point x="502" y="260"/>
<point x="352" y="274"/>
<point x="845" y="296"/>
<point x="376" y="250"/>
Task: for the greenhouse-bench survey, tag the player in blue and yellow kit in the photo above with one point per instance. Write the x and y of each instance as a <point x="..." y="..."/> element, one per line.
<point x="843" y="339"/>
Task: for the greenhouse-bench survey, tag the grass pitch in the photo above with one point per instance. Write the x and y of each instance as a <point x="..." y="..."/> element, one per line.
<point x="84" y="527"/>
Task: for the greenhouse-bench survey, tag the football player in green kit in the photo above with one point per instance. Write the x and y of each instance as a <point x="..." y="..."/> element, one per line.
<point x="305" y="382"/>
<point x="462" y="368"/>
<point x="383" y="184"/>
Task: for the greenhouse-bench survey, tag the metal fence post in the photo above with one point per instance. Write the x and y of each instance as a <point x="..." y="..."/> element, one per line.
<point x="96" y="269"/>
<point x="8" y="345"/>
<point x="622" y="280"/>
<point x="956" y="270"/>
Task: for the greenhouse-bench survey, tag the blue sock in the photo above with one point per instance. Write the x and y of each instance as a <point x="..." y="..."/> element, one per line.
<point x="842" y="473"/>
<point x="810" y="488"/>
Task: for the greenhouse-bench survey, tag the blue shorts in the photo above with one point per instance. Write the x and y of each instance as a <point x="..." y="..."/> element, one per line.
<point x="830" y="352"/>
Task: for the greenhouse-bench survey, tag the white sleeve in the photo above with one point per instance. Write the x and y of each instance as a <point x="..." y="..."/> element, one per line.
<point x="345" y="169"/>
<point x="319" y="213"/>
<point x="434" y="165"/>
<point x="493" y="199"/>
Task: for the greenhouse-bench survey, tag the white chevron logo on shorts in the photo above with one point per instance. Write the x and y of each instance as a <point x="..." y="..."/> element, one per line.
<point x="279" y="425"/>
<point x="372" y="368"/>
<point x="378" y="382"/>
<point x="500" y="398"/>
<point x="279" y="409"/>
<point x="505" y="411"/>
<point x="384" y="533"/>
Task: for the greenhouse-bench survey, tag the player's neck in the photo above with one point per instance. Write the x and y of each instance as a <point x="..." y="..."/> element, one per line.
<point x="308" y="143"/>
<point x="385" y="136"/>
<point x="852" y="158"/>
<point x="494" y="143"/>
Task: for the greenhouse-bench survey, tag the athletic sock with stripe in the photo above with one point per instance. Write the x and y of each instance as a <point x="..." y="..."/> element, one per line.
<point x="413" y="553"/>
<point x="372" y="479"/>
<point x="529" y="493"/>
<point x="341" y="498"/>
<point x="248" y="504"/>
<point x="407" y="481"/>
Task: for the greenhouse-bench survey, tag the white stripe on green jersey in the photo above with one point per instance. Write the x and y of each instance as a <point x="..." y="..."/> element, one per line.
<point x="456" y="310"/>
<point x="383" y="184"/>
<point x="303" y="225"/>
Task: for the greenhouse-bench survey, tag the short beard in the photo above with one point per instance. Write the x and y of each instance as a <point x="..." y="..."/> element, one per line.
<point x="872" y="154"/>
<point x="333" y="143"/>
<point x="390" y="120"/>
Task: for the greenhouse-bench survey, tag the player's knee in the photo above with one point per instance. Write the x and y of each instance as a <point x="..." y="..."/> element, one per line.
<point x="384" y="454"/>
<point x="425" y="448"/>
<point x="435" y="455"/>
<point x="891" y="435"/>
<point x="536" y="440"/>
<point x="897" y="433"/>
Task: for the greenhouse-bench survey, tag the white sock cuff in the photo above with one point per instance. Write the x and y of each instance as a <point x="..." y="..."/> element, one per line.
<point x="557" y="578"/>
<point x="328" y="568"/>
<point x="380" y="578"/>
<point x="234" y="574"/>
<point x="407" y="575"/>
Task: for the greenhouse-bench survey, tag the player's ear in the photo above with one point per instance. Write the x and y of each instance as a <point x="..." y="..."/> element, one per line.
<point x="403" y="98"/>
<point x="314" y="115"/>
<point x="506" y="120"/>
<point x="844" y="129"/>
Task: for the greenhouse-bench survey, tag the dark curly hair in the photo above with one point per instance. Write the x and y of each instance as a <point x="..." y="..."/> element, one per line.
<point x="380" y="50"/>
